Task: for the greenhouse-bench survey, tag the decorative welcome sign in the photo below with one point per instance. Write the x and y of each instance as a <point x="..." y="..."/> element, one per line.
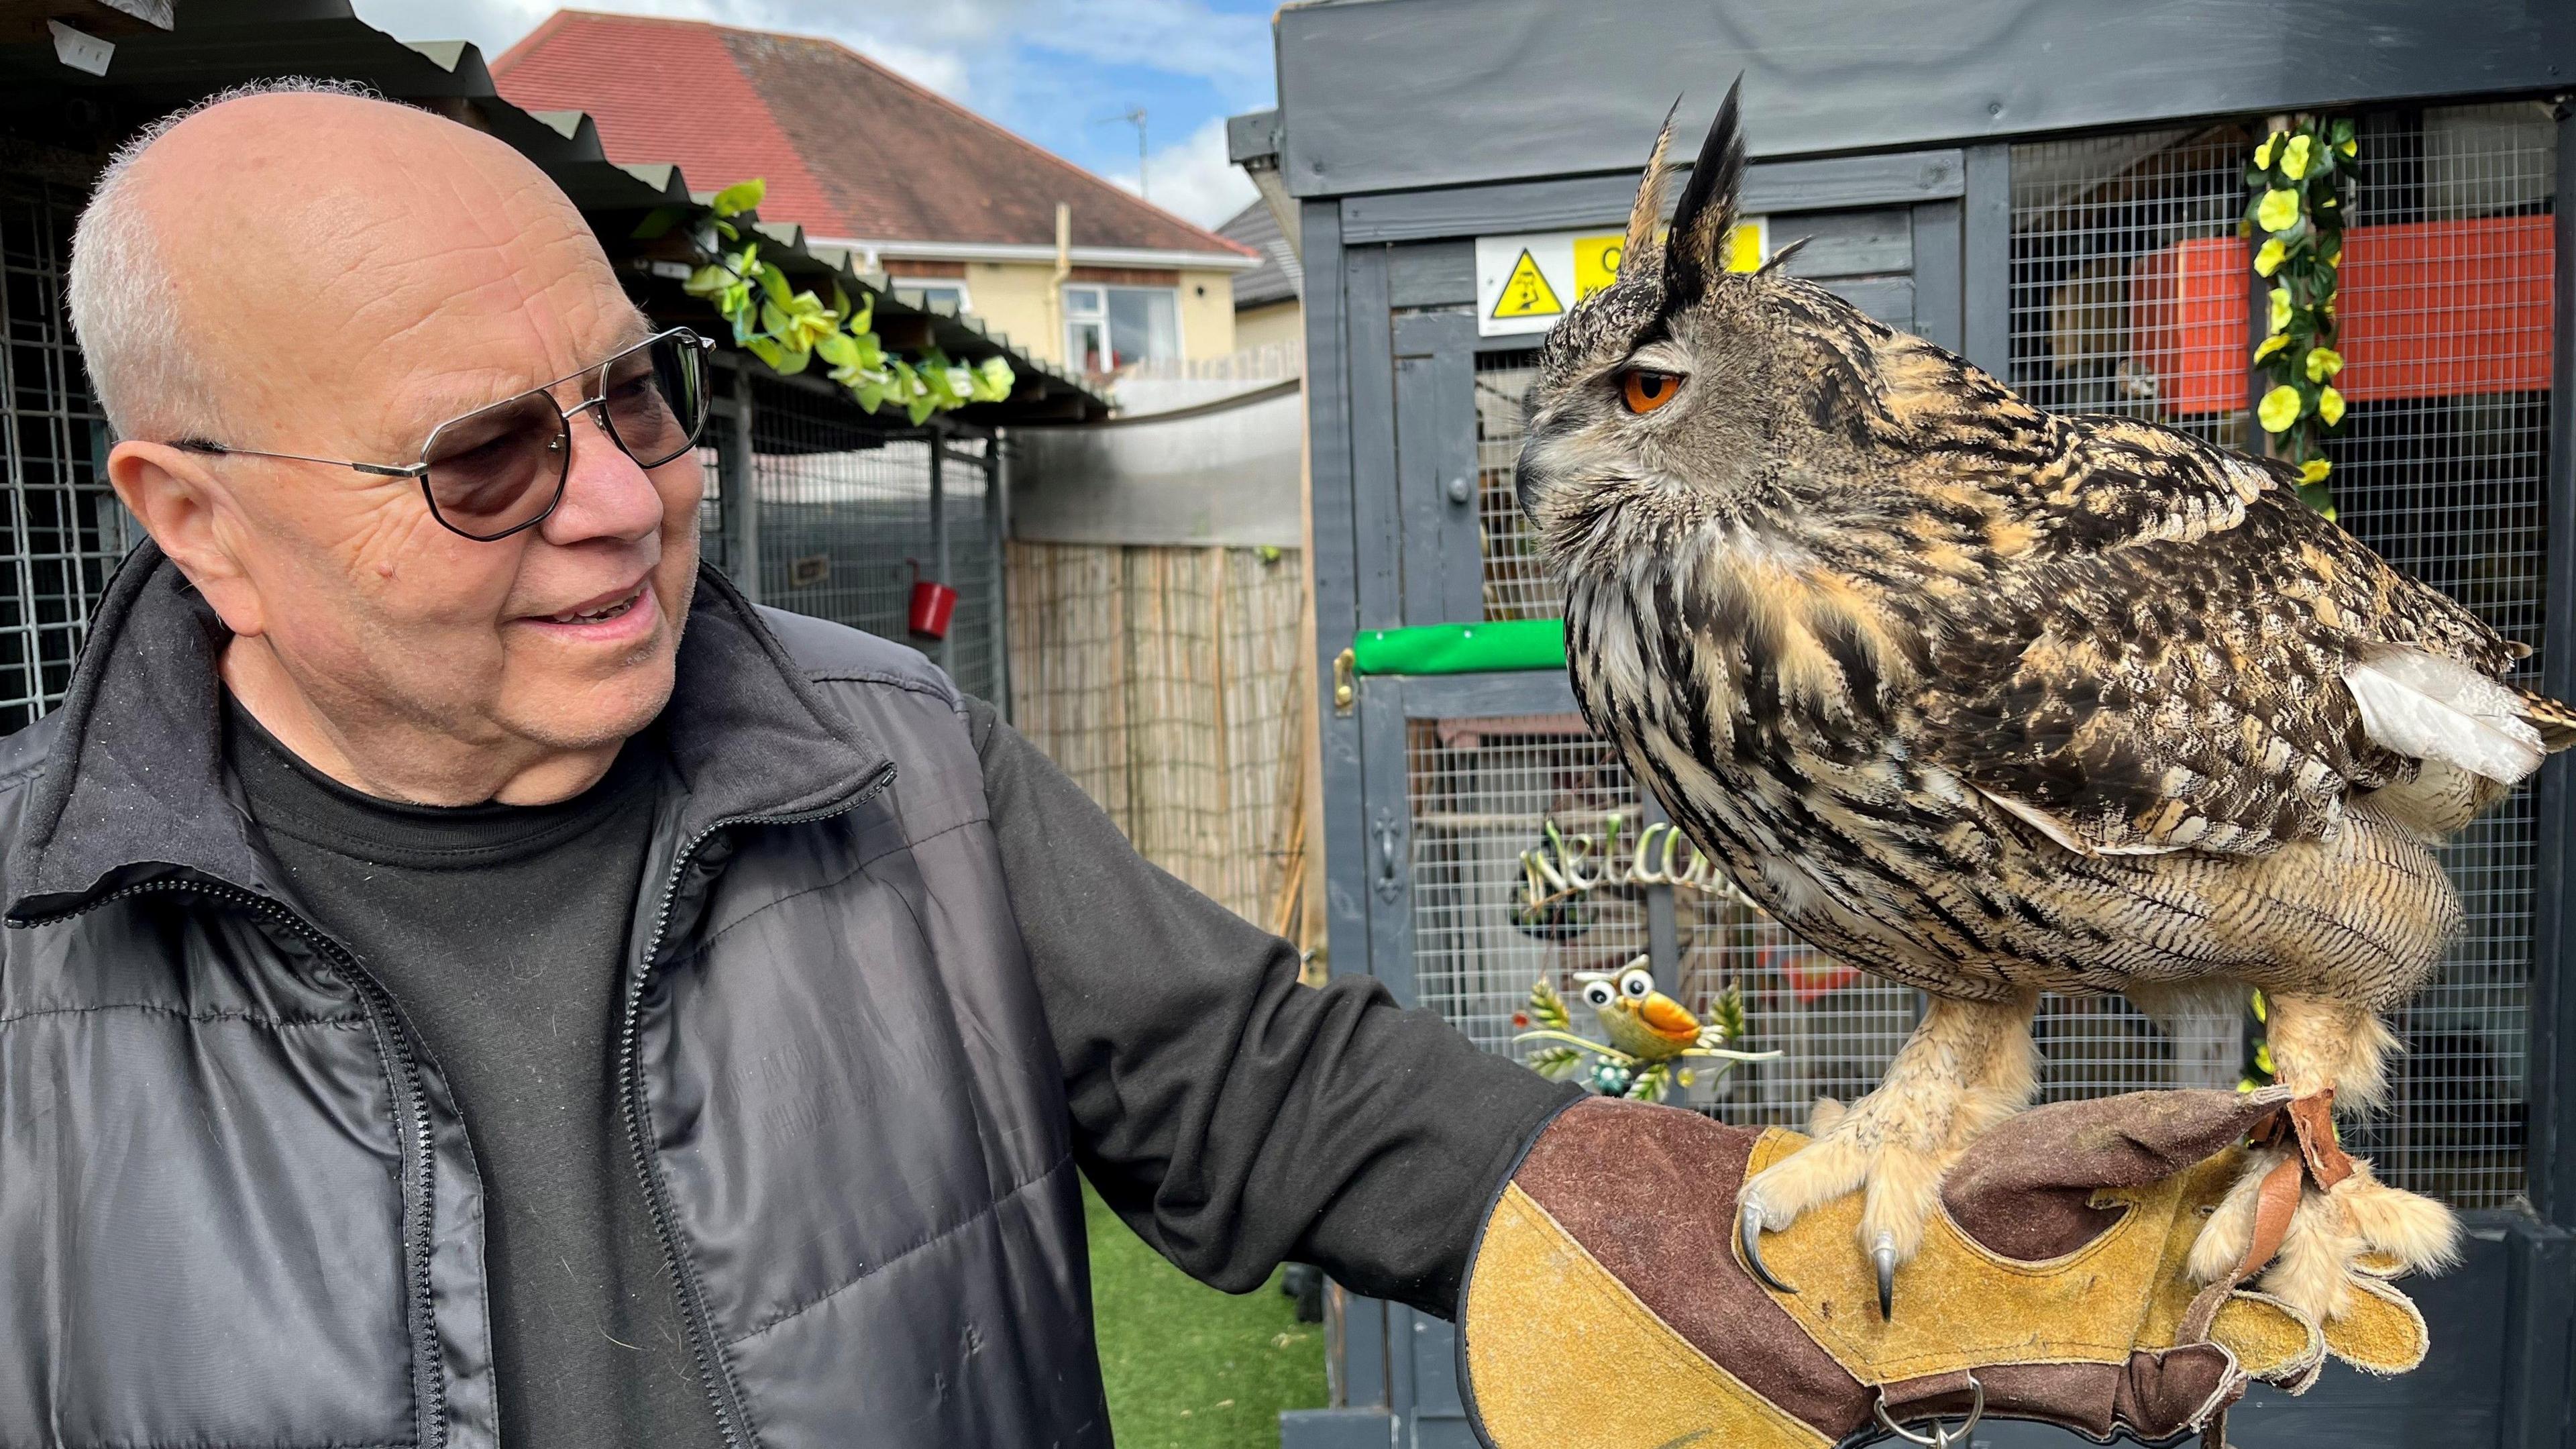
<point x="1562" y="870"/>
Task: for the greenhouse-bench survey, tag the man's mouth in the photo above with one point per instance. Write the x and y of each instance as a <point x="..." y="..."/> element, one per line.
<point x="603" y="612"/>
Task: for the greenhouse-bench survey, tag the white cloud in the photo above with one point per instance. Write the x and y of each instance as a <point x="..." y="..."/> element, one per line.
<point x="1193" y="179"/>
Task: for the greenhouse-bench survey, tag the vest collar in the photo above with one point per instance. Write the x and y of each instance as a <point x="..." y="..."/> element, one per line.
<point x="134" y="786"/>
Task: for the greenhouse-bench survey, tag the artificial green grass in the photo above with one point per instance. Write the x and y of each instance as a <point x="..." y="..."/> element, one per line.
<point x="1189" y="1367"/>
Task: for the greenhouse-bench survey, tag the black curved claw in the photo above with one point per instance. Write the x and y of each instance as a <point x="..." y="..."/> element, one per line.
<point x="1749" y="1235"/>
<point x="1883" y="1254"/>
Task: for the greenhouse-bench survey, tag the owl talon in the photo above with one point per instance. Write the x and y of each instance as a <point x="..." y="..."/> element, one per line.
<point x="1883" y="1254"/>
<point x="1749" y="1236"/>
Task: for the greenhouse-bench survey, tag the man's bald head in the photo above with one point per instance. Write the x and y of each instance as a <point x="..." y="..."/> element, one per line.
<point x="231" y="248"/>
<point x="301" y="273"/>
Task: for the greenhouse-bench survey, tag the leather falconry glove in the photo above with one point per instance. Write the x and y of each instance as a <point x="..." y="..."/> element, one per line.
<point x="2054" y="1286"/>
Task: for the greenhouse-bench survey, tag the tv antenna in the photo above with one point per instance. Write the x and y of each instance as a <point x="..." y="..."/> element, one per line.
<point x="1134" y="116"/>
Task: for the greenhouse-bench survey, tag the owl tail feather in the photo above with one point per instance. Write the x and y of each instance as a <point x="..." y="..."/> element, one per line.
<point x="2555" y="721"/>
<point x="2433" y="707"/>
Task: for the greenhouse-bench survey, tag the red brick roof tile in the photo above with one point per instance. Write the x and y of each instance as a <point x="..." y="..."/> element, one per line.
<point x="851" y="150"/>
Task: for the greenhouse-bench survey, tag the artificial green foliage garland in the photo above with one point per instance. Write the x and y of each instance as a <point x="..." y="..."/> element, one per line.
<point x="2301" y="179"/>
<point x="788" y="329"/>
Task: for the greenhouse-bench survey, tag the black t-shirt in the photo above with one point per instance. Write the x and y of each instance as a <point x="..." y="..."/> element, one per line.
<point x="501" y="932"/>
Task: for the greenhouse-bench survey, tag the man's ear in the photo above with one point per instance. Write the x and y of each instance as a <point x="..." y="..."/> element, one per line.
<point x="186" y="509"/>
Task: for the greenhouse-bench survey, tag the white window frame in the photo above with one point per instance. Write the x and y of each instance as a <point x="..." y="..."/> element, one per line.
<point x="1097" y="315"/>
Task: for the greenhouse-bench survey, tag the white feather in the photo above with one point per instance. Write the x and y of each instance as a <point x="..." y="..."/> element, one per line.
<point x="2064" y="834"/>
<point x="2427" y="707"/>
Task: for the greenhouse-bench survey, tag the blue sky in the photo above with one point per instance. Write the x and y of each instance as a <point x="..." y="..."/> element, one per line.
<point x="1057" y="71"/>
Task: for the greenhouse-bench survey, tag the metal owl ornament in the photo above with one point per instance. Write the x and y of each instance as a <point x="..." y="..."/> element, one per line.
<point x="1654" y="1040"/>
<point x="1992" y="701"/>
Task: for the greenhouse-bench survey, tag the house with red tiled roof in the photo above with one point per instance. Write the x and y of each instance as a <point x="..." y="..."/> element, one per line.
<point x="940" y="200"/>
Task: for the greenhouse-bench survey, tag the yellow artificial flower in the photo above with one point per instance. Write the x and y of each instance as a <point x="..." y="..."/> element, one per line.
<point x="2270" y="345"/>
<point x="2329" y="406"/>
<point x="2268" y="260"/>
<point x="2294" y="157"/>
<point x="2263" y="153"/>
<point x="2314" y="470"/>
<point x="2335" y="258"/>
<point x="2323" y="363"/>
<point x="2279" y="409"/>
<point x="2280" y="308"/>
<point x="2350" y="148"/>
<point x="2279" y="210"/>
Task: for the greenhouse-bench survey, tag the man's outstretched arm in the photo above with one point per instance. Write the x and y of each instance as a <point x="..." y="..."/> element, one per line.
<point x="1233" y="1117"/>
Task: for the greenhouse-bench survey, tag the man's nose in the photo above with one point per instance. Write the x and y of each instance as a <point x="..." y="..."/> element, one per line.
<point x="605" y="494"/>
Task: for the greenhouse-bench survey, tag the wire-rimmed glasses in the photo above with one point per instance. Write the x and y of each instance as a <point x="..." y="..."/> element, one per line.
<point x="502" y="468"/>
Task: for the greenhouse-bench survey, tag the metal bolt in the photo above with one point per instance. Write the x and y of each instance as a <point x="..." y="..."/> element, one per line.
<point x="1459" y="492"/>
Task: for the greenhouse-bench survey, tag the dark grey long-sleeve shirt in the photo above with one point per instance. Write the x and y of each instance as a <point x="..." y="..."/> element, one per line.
<point x="1233" y="1117"/>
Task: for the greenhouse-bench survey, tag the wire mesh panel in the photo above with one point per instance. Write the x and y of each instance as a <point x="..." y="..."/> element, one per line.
<point x="61" y="529"/>
<point x="2132" y="294"/>
<point x="2441" y="468"/>
<point x="846" y="526"/>
<point x="974" y="567"/>
<point x="715" y="543"/>
<point x="1517" y="583"/>
<point x="1485" y="790"/>
<point x="2129" y="285"/>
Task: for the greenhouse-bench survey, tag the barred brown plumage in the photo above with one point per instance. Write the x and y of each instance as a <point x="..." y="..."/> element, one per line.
<point x="1991" y="701"/>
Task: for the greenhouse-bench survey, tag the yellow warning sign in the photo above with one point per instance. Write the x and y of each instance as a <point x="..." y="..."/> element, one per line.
<point x="1596" y="262"/>
<point x="1527" y="281"/>
<point x="1526" y="292"/>
<point x="1747" y="244"/>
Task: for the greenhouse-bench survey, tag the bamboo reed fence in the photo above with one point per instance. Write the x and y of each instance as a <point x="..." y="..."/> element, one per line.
<point x="1170" y="683"/>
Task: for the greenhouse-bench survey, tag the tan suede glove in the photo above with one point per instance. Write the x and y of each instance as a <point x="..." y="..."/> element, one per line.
<point x="1607" y="1305"/>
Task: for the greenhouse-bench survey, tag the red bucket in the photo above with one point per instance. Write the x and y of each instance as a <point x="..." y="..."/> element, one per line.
<point x="933" y="605"/>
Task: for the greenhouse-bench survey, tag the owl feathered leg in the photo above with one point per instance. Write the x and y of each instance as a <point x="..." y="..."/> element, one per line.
<point x="2321" y="1046"/>
<point x="1967" y="1066"/>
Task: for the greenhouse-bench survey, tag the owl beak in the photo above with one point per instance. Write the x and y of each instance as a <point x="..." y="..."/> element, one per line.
<point x="1666" y="1017"/>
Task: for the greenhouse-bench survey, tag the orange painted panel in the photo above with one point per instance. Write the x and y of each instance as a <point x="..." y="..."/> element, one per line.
<point x="2187" y="324"/>
<point x="2429" y="309"/>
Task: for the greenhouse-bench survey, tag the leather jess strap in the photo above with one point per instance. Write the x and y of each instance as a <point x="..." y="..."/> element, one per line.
<point x="2309" y="1123"/>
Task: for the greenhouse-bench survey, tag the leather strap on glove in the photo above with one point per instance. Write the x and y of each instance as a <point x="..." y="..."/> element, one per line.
<point x="1606" y="1304"/>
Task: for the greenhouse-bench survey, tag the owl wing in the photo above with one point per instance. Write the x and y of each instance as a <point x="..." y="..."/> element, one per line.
<point x="2167" y="670"/>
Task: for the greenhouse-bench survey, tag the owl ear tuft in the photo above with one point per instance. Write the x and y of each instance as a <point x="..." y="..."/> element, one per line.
<point x="1697" y="250"/>
<point x="1642" y="253"/>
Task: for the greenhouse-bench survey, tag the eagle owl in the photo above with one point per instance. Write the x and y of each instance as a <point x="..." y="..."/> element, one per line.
<point x="1991" y="701"/>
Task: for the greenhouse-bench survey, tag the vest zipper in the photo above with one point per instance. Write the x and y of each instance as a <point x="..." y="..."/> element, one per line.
<point x="715" y="1373"/>
<point x="384" y="1022"/>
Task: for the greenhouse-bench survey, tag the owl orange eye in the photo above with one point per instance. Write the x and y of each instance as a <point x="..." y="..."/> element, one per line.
<point x="1645" y="390"/>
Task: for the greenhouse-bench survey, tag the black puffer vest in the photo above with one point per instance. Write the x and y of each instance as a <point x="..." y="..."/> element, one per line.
<point x="238" y="1209"/>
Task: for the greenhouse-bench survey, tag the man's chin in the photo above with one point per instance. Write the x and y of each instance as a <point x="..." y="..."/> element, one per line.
<point x="588" y="714"/>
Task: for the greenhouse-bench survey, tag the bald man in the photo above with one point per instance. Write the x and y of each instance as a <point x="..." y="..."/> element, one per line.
<point x="481" y="982"/>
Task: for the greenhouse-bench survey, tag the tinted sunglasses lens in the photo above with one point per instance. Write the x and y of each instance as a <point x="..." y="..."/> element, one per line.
<point x="498" y="469"/>
<point x="656" y="398"/>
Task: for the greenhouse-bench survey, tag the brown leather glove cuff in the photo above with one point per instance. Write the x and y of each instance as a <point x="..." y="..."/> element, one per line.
<point x="1612" y="1246"/>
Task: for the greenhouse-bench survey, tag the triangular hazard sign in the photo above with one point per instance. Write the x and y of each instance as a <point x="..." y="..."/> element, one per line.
<point x="1526" y="292"/>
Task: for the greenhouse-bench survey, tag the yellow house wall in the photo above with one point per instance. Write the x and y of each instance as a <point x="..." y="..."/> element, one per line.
<point x="1279" y="322"/>
<point x="1016" y="298"/>
<point x="1207" y="314"/>
<point x="1013" y="297"/>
